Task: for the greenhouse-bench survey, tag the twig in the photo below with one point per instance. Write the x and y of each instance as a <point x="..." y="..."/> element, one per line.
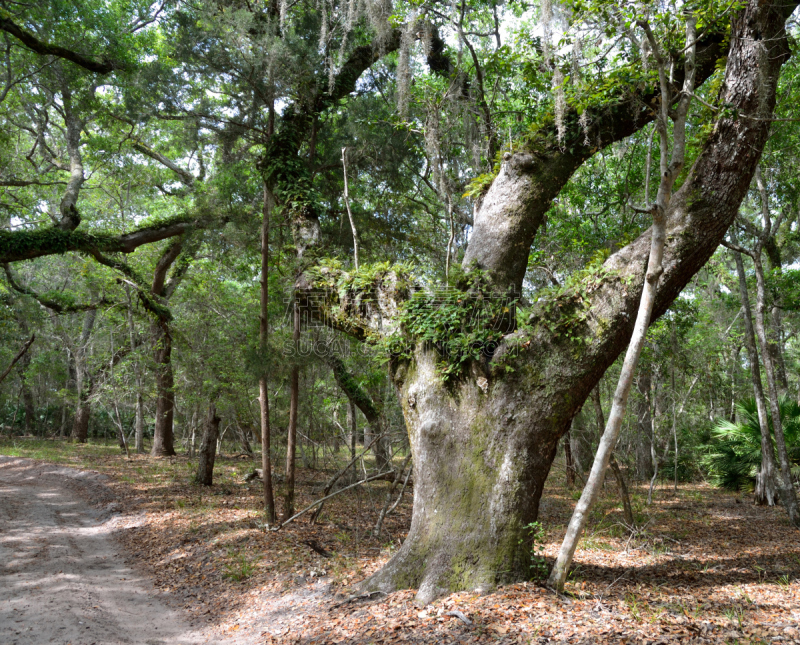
<point x="362" y="596"/>
<point x="339" y="474"/>
<point x="319" y="501"/>
<point x="377" y="531"/>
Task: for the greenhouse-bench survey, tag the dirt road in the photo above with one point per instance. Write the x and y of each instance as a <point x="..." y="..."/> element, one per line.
<point x="62" y="577"/>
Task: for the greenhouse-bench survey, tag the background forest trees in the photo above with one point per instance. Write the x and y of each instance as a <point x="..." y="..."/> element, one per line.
<point x="137" y="139"/>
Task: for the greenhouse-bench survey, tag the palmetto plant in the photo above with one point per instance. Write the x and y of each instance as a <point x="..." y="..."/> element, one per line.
<point x="733" y="454"/>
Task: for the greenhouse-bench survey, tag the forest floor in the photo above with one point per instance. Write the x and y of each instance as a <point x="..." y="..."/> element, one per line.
<point x="705" y="566"/>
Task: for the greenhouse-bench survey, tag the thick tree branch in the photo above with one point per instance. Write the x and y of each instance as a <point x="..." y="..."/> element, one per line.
<point x="509" y="215"/>
<point x="353" y="390"/>
<point x="16" y="246"/>
<point x="185" y="176"/>
<point x="162" y="313"/>
<point x="163" y="265"/>
<point x="70" y="218"/>
<point x="103" y="66"/>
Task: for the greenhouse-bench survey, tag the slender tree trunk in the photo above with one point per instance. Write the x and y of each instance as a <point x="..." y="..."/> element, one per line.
<point x="674" y="412"/>
<point x="137" y="368"/>
<point x="627" y="511"/>
<point x="569" y="465"/>
<point x="208" y="447"/>
<point x="734" y="369"/>
<point x="675" y="437"/>
<point x="644" y="451"/>
<point x="776" y="346"/>
<point x="263" y="383"/>
<point x="609" y="439"/>
<point x="139" y="421"/>
<point x="765" y="492"/>
<point x="786" y="487"/>
<point x="349" y="212"/>
<point x="653" y="452"/>
<point x="163" y="438"/>
<point x="291" y="439"/>
<point x="80" y="427"/>
<point x="352" y="426"/>
<point x="671" y="165"/>
<point x="28" y="403"/>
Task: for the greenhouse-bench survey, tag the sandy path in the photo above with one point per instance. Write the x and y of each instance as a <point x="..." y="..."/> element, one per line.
<point x="62" y="576"/>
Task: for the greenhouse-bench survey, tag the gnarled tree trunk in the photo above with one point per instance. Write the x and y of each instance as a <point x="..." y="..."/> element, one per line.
<point x="483" y="446"/>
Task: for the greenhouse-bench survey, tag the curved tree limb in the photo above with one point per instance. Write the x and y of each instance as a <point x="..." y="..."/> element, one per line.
<point x="53" y="305"/>
<point x="16" y="246"/>
<point x="508" y="216"/>
<point x="19" y="355"/>
<point x="102" y="66"/>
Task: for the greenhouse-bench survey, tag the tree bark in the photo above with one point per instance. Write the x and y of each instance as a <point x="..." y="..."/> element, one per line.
<point x="263" y="383"/>
<point x="163" y="437"/>
<point x="568" y="463"/>
<point x="785" y="485"/>
<point x="291" y="439"/>
<point x="644" y="448"/>
<point x="161" y="291"/>
<point x="208" y="448"/>
<point x="483" y="446"/>
<point x="80" y="427"/>
<point x="765" y="480"/>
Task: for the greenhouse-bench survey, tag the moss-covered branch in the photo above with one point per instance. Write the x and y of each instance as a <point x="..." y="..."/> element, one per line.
<point x="16" y="246"/>
<point x="55" y="302"/>
<point x="99" y="65"/>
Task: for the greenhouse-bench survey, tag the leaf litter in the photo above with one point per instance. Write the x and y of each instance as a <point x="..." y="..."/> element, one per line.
<point x="708" y="566"/>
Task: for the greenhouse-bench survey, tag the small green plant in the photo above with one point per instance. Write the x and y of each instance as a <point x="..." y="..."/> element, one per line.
<point x="735" y="615"/>
<point x="535" y="537"/>
<point x="783" y="581"/>
<point x="633" y="606"/>
<point x="240" y="568"/>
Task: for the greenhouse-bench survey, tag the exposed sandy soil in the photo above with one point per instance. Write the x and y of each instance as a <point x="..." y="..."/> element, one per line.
<point x="62" y="576"/>
<point x="704" y="566"/>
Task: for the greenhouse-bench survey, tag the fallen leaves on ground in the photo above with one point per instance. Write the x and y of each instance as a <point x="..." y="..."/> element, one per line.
<point x="708" y="566"/>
